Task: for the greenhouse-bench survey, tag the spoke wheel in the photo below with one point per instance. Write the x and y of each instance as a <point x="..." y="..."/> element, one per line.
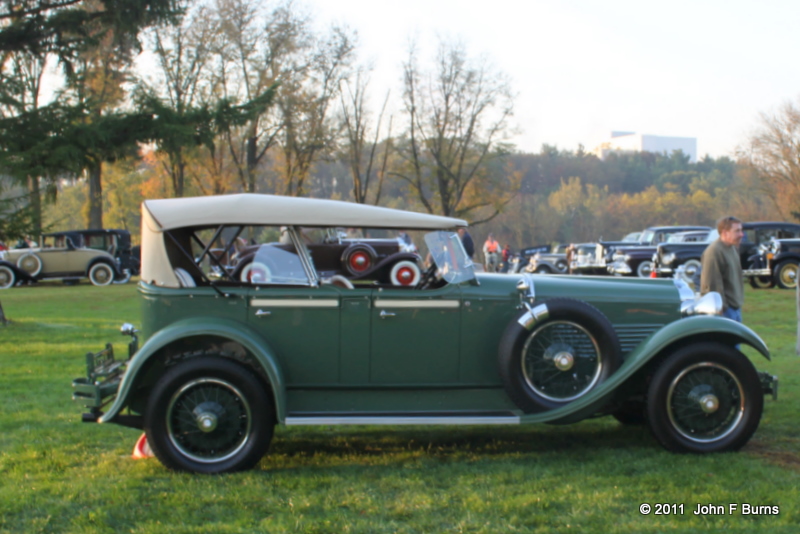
<point x="209" y="415"/>
<point x="7" y="277"/>
<point x="571" y="350"/>
<point x="561" y="361"/>
<point x="705" y="398"/>
<point x="786" y="275"/>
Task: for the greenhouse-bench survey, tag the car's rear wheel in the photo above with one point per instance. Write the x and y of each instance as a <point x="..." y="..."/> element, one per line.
<point x="7" y="277"/>
<point x="543" y="269"/>
<point x="209" y="415"/>
<point x="101" y="274"/>
<point x="30" y="263"/>
<point x="358" y="259"/>
<point x="786" y="274"/>
<point x="645" y="269"/>
<point x="705" y="397"/>
<point x="561" y="359"/>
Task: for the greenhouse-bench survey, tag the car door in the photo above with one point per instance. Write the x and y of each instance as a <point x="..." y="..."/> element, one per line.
<point x="415" y="336"/>
<point x="55" y="255"/>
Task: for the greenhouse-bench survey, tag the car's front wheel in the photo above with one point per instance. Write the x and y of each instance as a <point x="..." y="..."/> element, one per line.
<point x="705" y="397"/>
<point x="124" y="277"/>
<point x="561" y="359"/>
<point x="645" y="269"/>
<point x="209" y="415"/>
<point x="7" y="277"/>
<point x="101" y="274"/>
<point x="786" y="274"/>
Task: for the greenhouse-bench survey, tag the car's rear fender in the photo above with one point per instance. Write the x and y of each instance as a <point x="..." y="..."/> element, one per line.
<point x="662" y="342"/>
<point x="219" y="328"/>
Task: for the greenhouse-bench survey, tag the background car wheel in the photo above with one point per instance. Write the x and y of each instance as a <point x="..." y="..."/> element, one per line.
<point x="30" y="263"/>
<point x="543" y="270"/>
<point x="706" y="397"/>
<point x="644" y="269"/>
<point x="209" y="415"/>
<point x="358" y="259"/>
<point x="786" y="275"/>
<point x="405" y="273"/>
<point x="691" y="268"/>
<point x="101" y="274"/>
<point x="7" y="277"/>
<point x="256" y="272"/>
<point x="561" y="266"/>
<point x="761" y="282"/>
<point x="124" y="277"/>
<point x="561" y="359"/>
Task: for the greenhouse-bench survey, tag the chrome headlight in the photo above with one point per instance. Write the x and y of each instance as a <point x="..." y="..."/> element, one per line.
<point x="668" y="258"/>
<point x="708" y="304"/>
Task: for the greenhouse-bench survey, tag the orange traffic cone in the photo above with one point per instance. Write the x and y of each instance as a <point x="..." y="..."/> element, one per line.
<point x="653" y="274"/>
<point x="141" y="450"/>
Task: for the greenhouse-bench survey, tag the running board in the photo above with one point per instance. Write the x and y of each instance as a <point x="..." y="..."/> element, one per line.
<point x="402" y="420"/>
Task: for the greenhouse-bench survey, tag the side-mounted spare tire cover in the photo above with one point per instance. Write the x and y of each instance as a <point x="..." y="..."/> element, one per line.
<point x="570" y="350"/>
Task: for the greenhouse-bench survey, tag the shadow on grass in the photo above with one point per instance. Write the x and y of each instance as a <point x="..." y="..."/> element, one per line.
<point x="355" y="443"/>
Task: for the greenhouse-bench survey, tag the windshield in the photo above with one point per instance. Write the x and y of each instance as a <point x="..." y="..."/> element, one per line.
<point x="449" y="254"/>
<point x="647" y="236"/>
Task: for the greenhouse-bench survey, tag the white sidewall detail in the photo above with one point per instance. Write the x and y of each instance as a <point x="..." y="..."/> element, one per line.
<point x="96" y="268"/>
<point x="257" y="266"/>
<point x="7" y="277"/>
<point x="28" y="258"/>
<point x="401" y="265"/>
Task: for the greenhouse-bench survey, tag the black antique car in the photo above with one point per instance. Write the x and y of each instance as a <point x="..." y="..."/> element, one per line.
<point x="650" y="237"/>
<point x="669" y="257"/>
<point x="638" y="260"/>
<point x="780" y="258"/>
<point x="336" y="253"/>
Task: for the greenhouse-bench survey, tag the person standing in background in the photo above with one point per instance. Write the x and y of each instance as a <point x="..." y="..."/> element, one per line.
<point x="490" y="249"/>
<point x="722" y="268"/>
<point x="467" y="242"/>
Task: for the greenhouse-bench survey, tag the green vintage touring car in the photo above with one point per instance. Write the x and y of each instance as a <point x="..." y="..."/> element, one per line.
<point x="226" y="357"/>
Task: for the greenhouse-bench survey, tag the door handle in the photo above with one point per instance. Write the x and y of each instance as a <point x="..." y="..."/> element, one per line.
<point x="262" y="313"/>
<point x="384" y="314"/>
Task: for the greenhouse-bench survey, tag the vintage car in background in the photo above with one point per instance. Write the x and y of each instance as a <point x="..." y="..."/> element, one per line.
<point x="224" y="360"/>
<point x="114" y="241"/>
<point x="553" y="261"/>
<point x="753" y="251"/>
<point x="521" y="259"/>
<point x="58" y="257"/>
<point x="391" y="260"/>
<point x="649" y="237"/>
<point x="779" y="260"/>
<point x="639" y="260"/>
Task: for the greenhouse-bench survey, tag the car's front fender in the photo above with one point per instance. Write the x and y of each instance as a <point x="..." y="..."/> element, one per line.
<point x="723" y="330"/>
<point x="202" y="326"/>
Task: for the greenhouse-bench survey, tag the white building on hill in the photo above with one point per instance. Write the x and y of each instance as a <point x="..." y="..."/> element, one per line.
<point x="634" y="142"/>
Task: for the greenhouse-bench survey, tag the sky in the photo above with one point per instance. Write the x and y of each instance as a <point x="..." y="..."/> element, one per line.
<point x="583" y="68"/>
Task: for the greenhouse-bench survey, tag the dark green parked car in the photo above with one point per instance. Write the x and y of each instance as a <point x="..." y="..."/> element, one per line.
<point x="224" y="360"/>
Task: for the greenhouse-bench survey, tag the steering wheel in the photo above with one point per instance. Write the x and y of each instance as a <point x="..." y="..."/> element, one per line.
<point x="428" y="278"/>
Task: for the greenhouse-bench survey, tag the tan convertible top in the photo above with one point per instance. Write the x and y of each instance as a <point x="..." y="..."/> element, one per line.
<point x="267" y="210"/>
<point x="253" y="209"/>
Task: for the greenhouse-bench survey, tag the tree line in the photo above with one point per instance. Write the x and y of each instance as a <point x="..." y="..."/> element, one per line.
<point x="246" y="96"/>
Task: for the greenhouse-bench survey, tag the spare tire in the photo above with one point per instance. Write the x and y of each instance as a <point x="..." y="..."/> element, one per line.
<point x="568" y="352"/>
<point x="30" y="263"/>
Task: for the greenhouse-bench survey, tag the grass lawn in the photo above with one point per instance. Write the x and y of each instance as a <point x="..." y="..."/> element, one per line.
<point x="59" y="475"/>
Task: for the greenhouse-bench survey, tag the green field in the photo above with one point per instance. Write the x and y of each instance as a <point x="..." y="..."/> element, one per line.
<point x="59" y="475"/>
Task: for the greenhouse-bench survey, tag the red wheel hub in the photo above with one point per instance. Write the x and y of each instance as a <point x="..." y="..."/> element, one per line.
<point x="405" y="276"/>
<point x="359" y="261"/>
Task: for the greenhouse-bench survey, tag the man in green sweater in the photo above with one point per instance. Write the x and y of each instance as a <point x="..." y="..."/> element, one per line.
<point x="722" y="268"/>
